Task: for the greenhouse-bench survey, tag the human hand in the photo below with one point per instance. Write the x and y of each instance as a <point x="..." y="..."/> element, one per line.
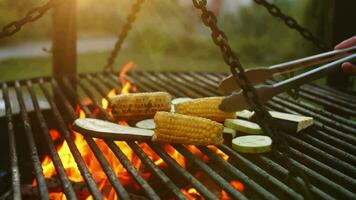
<point x="348" y="67"/>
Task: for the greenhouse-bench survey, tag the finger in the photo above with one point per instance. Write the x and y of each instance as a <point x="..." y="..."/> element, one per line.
<point x="349" y="68"/>
<point x="347" y="43"/>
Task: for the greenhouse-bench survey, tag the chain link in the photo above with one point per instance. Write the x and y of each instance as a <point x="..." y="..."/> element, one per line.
<point x="122" y="36"/>
<point x="281" y="148"/>
<point x="32" y="15"/>
<point x="293" y="24"/>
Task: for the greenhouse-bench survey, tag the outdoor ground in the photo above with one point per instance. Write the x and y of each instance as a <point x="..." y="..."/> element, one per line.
<point x="12" y="69"/>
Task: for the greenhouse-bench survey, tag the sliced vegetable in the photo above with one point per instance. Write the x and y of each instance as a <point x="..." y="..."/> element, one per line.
<point x="230" y="131"/>
<point x="146" y="124"/>
<point x="252" y="144"/>
<point x="243" y="126"/>
<point x="290" y="122"/>
<point x="245" y="114"/>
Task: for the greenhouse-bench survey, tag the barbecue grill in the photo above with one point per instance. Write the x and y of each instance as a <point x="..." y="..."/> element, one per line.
<point x="42" y="157"/>
<point x="326" y="153"/>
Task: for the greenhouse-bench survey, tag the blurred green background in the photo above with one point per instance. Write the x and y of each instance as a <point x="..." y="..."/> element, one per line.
<point x="169" y="35"/>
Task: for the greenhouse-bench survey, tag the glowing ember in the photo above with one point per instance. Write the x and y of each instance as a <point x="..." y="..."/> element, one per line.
<point x="235" y="184"/>
<point x="54" y="134"/>
<point x="219" y="152"/>
<point x="191" y="194"/>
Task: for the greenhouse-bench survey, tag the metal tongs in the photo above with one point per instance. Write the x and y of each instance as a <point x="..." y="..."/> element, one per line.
<point x="236" y="100"/>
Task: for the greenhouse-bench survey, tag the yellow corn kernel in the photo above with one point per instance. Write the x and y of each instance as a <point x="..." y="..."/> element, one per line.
<point x="135" y="106"/>
<point x="207" y="107"/>
<point x="185" y="129"/>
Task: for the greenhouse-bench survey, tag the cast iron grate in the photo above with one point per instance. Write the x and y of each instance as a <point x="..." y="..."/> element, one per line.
<point x="325" y="152"/>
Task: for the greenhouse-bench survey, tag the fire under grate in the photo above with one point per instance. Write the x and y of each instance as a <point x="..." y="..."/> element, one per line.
<point x="324" y="152"/>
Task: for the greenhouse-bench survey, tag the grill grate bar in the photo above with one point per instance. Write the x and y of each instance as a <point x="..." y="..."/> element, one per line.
<point x="67" y="135"/>
<point x="41" y="182"/>
<point x="326" y="103"/>
<point x="262" y="192"/>
<point x="15" y="173"/>
<point x="346" y="138"/>
<point x="157" y="171"/>
<point x="118" y="153"/>
<point x="322" y="156"/>
<point x="211" y="173"/>
<point x="161" y="84"/>
<point x="342" y="95"/>
<point x="323" y="169"/>
<point x="329" y="96"/>
<point x="282" y="174"/>
<point x="172" y="163"/>
<point x="317" y="179"/>
<point x="119" y="188"/>
<point x="323" y="115"/>
<point x="66" y="185"/>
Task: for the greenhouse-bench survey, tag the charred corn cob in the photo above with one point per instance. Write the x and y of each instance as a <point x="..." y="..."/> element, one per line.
<point x="207" y="107"/>
<point x="178" y="128"/>
<point x="137" y="106"/>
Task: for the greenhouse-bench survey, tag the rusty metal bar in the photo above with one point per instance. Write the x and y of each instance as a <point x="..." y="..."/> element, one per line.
<point x="119" y="188"/>
<point x="67" y="135"/>
<point x="66" y="185"/>
<point x="15" y="173"/>
<point x="167" y="182"/>
<point x="172" y="163"/>
<point x="256" y="188"/>
<point x="41" y="182"/>
<point x="235" y="194"/>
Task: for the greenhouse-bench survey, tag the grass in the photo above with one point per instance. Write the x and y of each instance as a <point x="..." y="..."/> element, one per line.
<point x="13" y="69"/>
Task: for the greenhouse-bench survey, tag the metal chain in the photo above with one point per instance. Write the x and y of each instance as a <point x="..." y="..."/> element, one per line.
<point x="33" y="15"/>
<point x="124" y="32"/>
<point x="250" y="94"/>
<point x="293" y="24"/>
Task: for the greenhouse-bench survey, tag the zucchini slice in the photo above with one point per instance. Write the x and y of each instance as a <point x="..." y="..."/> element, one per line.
<point x="252" y="144"/>
<point x="146" y="124"/>
<point x="243" y="126"/>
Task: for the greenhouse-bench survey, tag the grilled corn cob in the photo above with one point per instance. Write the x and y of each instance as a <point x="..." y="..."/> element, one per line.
<point x="137" y="106"/>
<point x="178" y="128"/>
<point x="207" y="107"/>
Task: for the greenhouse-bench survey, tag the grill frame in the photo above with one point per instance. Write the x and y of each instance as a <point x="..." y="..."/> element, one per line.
<point x="330" y="149"/>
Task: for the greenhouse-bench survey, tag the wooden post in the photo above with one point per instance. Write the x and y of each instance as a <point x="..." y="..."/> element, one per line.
<point x="64" y="44"/>
<point x="344" y="26"/>
<point x="64" y="39"/>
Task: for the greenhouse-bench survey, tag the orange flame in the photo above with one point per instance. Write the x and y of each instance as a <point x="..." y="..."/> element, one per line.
<point x="127" y="86"/>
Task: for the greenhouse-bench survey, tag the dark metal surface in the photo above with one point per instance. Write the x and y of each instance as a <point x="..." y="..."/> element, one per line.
<point x="326" y="153"/>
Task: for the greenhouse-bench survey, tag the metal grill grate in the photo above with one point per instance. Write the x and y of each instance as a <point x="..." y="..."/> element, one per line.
<point x="326" y="153"/>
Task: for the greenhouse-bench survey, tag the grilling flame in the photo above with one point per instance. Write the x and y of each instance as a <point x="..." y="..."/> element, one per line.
<point x="94" y="166"/>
